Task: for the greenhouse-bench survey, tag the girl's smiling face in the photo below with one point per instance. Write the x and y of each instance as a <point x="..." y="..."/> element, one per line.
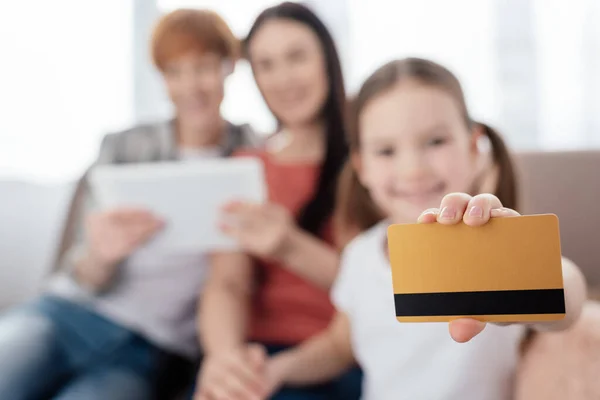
<point x="415" y="147"/>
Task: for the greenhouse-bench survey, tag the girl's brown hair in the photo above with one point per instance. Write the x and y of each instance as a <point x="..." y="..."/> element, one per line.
<point x="355" y="211"/>
<point x="506" y="185"/>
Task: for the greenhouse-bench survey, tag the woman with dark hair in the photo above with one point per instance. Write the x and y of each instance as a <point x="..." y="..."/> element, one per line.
<point x="259" y="304"/>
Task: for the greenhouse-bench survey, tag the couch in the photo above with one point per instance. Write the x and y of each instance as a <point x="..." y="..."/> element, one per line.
<point x="564" y="183"/>
<point x="31" y="217"/>
<point x="568" y="185"/>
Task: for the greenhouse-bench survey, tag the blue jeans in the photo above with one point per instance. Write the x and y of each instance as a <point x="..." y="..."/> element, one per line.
<point x="55" y="349"/>
<point x="346" y="387"/>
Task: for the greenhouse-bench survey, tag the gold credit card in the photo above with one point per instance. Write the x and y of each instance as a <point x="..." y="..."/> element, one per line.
<point x="508" y="270"/>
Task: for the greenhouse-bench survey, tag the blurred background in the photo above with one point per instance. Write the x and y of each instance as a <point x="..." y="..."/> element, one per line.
<point x="74" y="70"/>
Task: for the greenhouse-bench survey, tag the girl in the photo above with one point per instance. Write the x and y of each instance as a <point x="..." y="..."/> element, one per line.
<point x="495" y="174"/>
<point x="413" y="143"/>
<point x="279" y="297"/>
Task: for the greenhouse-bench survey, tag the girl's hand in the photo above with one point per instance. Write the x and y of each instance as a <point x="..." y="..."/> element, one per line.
<point x="262" y="230"/>
<point x="474" y="211"/>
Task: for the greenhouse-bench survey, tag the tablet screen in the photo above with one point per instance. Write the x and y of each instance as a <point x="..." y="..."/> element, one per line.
<point x="188" y="196"/>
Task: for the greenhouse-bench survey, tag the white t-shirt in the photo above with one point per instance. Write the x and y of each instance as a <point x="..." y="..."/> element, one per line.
<point x="415" y="361"/>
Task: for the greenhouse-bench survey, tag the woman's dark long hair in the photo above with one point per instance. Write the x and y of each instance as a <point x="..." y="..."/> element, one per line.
<point x="318" y="210"/>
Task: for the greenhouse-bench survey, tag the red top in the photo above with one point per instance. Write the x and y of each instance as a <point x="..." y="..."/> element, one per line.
<point x="287" y="309"/>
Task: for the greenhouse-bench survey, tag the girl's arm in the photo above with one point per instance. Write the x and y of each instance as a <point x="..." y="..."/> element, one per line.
<point x="319" y="359"/>
<point x="575" y="296"/>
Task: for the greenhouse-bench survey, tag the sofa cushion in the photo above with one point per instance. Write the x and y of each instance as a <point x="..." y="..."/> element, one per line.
<point x="31" y="219"/>
<point x="568" y="185"/>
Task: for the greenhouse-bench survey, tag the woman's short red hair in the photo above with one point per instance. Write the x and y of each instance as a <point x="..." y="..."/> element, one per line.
<point x="184" y="30"/>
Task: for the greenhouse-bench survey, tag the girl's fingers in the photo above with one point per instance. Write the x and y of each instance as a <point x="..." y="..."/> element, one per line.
<point x="452" y="208"/>
<point x="464" y="329"/>
<point x="503" y="212"/>
<point x="428" y="216"/>
<point x="479" y="209"/>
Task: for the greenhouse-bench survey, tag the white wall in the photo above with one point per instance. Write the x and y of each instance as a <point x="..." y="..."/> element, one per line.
<point x="65" y="80"/>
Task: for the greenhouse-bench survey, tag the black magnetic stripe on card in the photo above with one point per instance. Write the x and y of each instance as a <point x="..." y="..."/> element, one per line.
<point x="500" y="302"/>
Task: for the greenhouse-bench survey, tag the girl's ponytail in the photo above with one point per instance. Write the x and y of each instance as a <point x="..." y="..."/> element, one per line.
<point x="355" y="211"/>
<point x="506" y="184"/>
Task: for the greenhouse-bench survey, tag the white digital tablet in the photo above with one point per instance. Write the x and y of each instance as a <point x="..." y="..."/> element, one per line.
<point x="188" y="196"/>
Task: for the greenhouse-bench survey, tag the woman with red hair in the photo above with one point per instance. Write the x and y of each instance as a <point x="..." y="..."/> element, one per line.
<point x="113" y="317"/>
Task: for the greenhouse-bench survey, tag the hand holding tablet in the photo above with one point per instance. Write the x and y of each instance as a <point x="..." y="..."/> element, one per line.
<point x="115" y="234"/>
<point x="260" y="229"/>
<point x="189" y="197"/>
